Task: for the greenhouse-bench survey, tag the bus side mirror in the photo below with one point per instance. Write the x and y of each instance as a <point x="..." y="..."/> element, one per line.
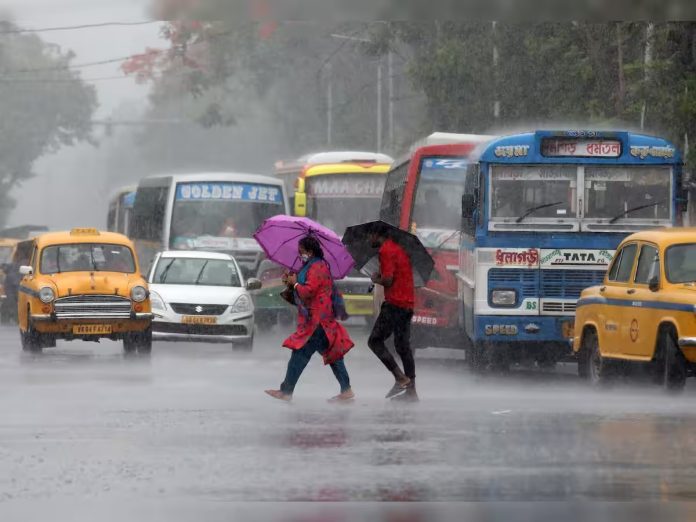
<point x="468" y="206"/>
<point x="300" y="204"/>
<point x="654" y="284"/>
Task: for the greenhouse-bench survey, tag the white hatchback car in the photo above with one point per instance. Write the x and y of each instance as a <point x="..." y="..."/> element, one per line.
<point x="201" y="297"/>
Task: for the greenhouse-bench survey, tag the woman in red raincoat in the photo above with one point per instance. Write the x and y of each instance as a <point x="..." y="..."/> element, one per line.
<point x="317" y="328"/>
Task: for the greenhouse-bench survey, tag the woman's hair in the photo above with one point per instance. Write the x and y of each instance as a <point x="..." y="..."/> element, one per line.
<point x="310" y="244"/>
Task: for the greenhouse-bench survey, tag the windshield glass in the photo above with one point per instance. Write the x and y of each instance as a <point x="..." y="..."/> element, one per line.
<point x="440" y="188"/>
<point x="337" y="201"/>
<point x="87" y="257"/>
<point x="189" y="271"/>
<point x="6" y="254"/>
<point x="680" y="263"/>
<point x="519" y="189"/>
<point x="611" y="191"/>
<point x="221" y="210"/>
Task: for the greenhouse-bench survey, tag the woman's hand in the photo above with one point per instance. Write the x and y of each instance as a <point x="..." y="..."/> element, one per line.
<point x="291" y="280"/>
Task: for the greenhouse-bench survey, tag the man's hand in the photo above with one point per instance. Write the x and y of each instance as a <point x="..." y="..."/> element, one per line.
<point x="376" y="278"/>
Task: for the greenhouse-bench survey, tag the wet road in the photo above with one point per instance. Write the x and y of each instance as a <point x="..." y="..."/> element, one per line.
<point x="81" y="425"/>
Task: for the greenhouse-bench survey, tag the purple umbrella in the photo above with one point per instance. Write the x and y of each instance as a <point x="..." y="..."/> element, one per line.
<point x="279" y="237"/>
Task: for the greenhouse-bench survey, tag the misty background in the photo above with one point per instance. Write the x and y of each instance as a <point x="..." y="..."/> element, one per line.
<point x="241" y="95"/>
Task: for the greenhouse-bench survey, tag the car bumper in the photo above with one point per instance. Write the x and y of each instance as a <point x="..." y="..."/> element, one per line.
<point x="228" y="328"/>
<point x="359" y="304"/>
<point x="64" y="328"/>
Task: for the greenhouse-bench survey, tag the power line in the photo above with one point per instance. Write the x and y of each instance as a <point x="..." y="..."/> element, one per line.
<point x="77" y="27"/>
<point x="63" y="80"/>
<point x="75" y="66"/>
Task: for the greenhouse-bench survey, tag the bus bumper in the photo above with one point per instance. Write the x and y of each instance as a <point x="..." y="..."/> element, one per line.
<point x="359" y="305"/>
<point x="513" y="329"/>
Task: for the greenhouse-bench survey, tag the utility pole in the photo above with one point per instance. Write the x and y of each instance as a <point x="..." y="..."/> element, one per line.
<point x="647" y="61"/>
<point x="496" y="101"/>
<point x="329" y="104"/>
<point x="390" y="68"/>
<point x="379" y="105"/>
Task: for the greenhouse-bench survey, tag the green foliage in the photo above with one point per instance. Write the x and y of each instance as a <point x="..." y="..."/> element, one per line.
<point x="43" y="106"/>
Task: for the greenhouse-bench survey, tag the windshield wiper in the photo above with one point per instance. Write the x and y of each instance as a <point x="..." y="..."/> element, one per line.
<point x="641" y="207"/>
<point x="94" y="262"/>
<point x="448" y="238"/>
<point x="538" y="207"/>
<point x="200" y="274"/>
<point x="163" y="275"/>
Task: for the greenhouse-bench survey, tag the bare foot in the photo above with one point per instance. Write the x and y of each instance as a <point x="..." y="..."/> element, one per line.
<point x="346" y="396"/>
<point x="277" y="394"/>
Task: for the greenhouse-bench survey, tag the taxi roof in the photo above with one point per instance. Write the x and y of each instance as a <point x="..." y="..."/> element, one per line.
<point x="64" y="238"/>
<point x="665" y="236"/>
<point x="348" y="168"/>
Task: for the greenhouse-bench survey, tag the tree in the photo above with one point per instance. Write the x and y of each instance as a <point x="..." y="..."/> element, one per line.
<point x="44" y="106"/>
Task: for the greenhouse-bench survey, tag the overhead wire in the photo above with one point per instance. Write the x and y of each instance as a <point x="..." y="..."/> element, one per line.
<point x="77" y="27"/>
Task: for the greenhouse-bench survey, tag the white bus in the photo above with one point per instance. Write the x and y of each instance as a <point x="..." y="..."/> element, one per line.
<point x="121" y="209"/>
<point x="205" y="211"/>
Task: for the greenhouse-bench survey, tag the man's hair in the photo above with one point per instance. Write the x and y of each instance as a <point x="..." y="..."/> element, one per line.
<point x="311" y="244"/>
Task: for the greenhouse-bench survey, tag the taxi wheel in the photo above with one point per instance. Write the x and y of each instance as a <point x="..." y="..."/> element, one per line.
<point x="599" y="369"/>
<point x="138" y="342"/>
<point x="674" y="365"/>
<point x="246" y="346"/>
<point x="31" y="342"/>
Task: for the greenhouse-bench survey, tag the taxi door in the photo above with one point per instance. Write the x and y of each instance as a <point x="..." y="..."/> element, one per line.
<point x="643" y="319"/>
<point x="25" y="281"/>
<point x="618" y="291"/>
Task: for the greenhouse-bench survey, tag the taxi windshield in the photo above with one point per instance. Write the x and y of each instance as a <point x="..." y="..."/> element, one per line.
<point x="680" y="263"/>
<point x="87" y="257"/>
<point x="195" y="271"/>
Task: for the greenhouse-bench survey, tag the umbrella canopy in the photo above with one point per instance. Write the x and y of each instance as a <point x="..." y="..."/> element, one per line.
<point x="366" y="257"/>
<point x="279" y="237"/>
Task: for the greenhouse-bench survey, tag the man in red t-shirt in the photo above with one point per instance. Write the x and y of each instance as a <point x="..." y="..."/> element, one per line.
<point x="396" y="276"/>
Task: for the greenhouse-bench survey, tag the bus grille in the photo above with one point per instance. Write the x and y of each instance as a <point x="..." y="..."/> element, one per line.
<point x="526" y="282"/>
<point x="93" y="307"/>
<point x="567" y="284"/>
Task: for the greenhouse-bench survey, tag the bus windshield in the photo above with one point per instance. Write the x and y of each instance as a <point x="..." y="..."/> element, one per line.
<point x="221" y="210"/>
<point x="337" y="201"/>
<point x="621" y="192"/>
<point x="440" y="188"/>
<point x="533" y="192"/>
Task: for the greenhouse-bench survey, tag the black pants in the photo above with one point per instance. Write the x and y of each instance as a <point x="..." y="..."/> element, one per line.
<point x="393" y="320"/>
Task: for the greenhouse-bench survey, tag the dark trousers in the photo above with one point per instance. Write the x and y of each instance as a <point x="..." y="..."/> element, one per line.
<point x="393" y="320"/>
<point x="318" y="342"/>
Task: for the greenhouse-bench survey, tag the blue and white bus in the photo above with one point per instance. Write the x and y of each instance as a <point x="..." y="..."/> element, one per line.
<point x="542" y="214"/>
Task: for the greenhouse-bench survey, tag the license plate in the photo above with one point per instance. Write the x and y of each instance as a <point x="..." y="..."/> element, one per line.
<point x="568" y="329"/>
<point x="92" y="329"/>
<point x="198" y="319"/>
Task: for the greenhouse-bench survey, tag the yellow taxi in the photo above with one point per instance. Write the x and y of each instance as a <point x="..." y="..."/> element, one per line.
<point x="83" y="284"/>
<point x="644" y="312"/>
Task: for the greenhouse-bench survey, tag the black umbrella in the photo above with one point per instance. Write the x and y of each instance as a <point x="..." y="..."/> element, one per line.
<point x="357" y="242"/>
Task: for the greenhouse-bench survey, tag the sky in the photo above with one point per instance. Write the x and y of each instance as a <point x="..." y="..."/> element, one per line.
<point x="68" y="184"/>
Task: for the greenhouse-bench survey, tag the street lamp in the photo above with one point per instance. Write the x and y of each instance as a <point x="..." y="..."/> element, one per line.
<point x="390" y="73"/>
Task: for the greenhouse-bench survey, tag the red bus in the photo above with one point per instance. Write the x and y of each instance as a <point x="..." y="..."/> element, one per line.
<point x="423" y="194"/>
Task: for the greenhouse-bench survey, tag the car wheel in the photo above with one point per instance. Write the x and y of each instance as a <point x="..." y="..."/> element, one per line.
<point x="265" y="321"/>
<point x="246" y="346"/>
<point x="675" y="367"/>
<point x="31" y="341"/>
<point x="140" y="342"/>
<point x="599" y="369"/>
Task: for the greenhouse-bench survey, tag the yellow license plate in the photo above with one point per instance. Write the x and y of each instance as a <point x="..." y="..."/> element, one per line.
<point x="568" y="329"/>
<point x="92" y="329"/>
<point x="198" y="319"/>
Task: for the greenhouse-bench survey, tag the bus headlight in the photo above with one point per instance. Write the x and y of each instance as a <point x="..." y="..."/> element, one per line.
<point x="241" y="305"/>
<point x="47" y="295"/>
<point x="503" y="297"/>
<point x="138" y="294"/>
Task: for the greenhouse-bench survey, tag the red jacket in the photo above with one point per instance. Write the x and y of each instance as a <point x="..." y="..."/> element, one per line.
<point x="316" y="297"/>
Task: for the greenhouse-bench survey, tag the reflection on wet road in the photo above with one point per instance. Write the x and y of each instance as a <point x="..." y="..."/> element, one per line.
<point x="192" y="424"/>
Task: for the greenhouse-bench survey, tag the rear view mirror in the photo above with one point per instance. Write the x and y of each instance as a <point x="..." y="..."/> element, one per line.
<point x="253" y="284"/>
<point x="468" y="206"/>
<point x="654" y="284"/>
<point x="26" y="270"/>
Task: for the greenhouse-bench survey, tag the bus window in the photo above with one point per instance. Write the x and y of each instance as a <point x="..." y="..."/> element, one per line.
<point x="111" y="218"/>
<point x="149" y="213"/>
<point x="390" y="211"/>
